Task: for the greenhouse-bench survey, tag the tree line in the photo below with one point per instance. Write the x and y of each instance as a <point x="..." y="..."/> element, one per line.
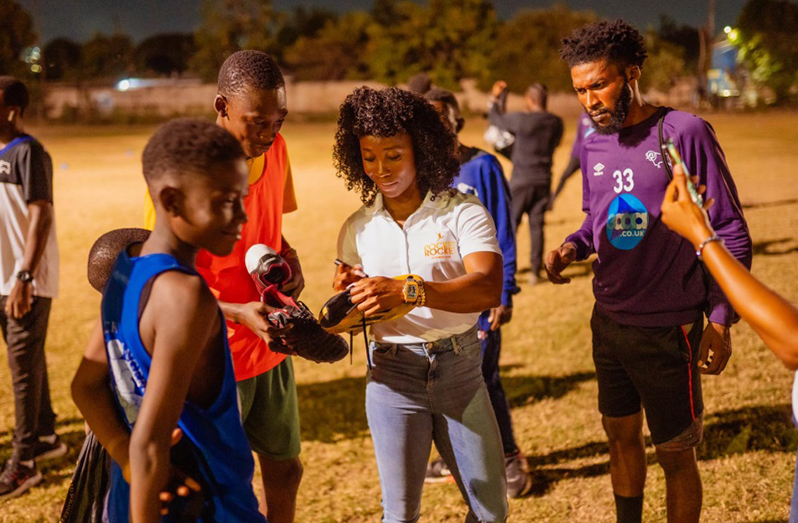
<point x="397" y="39"/>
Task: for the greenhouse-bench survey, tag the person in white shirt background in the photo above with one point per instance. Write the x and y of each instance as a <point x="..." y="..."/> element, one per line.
<point x="424" y="380"/>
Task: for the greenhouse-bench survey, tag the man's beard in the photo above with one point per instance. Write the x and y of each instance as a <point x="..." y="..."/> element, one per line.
<point x="618" y="116"/>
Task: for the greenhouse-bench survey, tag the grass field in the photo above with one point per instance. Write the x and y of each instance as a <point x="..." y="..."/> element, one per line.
<point x="747" y="458"/>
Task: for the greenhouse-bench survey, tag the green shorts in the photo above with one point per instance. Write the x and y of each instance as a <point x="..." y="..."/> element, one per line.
<point x="269" y="412"/>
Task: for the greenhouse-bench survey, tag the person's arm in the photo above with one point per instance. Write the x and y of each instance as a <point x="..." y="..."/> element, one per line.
<point x="494" y="194"/>
<point x="41" y="223"/>
<point x="497" y="114"/>
<point x="478" y="290"/>
<point x="704" y="157"/>
<point x="577" y="246"/>
<point x="297" y="284"/>
<point x="91" y="392"/>
<point x="180" y="335"/>
<point x="773" y="318"/>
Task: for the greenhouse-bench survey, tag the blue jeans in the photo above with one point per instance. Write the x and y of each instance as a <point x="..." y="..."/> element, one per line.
<point x="434" y="391"/>
<point x="491" y="350"/>
<point x="794" y="501"/>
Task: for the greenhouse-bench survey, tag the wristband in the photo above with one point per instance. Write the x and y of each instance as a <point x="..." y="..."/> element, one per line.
<point x="713" y="238"/>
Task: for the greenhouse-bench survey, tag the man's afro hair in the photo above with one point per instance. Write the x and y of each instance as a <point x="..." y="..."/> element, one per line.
<point x="617" y="42"/>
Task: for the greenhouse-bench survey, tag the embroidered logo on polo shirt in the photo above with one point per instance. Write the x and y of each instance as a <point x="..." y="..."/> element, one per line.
<point x="654" y="157"/>
<point x="627" y="222"/>
<point x="5" y="167"/>
<point x="598" y="169"/>
<point x="440" y="249"/>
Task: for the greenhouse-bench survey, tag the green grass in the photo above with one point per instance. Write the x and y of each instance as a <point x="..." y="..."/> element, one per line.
<point x="747" y="457"/>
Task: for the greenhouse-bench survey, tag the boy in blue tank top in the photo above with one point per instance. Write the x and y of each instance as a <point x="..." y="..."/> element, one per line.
<point x="163" y="346"/>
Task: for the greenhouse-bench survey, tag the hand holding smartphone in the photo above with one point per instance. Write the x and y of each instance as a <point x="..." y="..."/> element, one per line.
<point x="676" y="159"/>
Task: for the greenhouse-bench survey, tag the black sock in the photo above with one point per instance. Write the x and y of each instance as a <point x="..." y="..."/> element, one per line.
<point x="629" y="510"/>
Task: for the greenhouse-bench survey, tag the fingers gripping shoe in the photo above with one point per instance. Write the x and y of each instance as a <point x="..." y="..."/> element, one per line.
<point x="301" y="333"/>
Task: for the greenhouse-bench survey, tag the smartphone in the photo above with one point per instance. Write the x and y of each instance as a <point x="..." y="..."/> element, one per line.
<point x="670" y="148"/>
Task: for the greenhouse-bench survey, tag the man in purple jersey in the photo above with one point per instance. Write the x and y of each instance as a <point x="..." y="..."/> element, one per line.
<point x="649" y="344"/>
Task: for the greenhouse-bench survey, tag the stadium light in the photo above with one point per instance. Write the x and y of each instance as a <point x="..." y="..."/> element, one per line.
<point x="123" y="85"/>
<point x="727" y="29"/>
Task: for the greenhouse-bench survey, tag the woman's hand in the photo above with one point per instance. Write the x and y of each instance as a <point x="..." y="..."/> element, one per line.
<point x="498" y="88"/>
<point x="346" y="275"/>
<point x="681" y="215"/>
<point x="373" y="295"/>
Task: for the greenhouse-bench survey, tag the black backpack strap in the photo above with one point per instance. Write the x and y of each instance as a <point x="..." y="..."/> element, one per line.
<point x="662" y="143"/>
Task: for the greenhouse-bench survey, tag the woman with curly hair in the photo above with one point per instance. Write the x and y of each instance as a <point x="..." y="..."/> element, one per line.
<point x="424" y="382"/>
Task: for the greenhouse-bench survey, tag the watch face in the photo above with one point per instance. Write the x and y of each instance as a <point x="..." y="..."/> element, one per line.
<point x="412" y="292"/>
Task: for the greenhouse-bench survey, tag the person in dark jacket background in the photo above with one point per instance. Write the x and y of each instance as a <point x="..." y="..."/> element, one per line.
<point x="537" y="134"/>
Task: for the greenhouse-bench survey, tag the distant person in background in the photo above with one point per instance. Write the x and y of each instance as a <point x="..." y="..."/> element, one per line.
<point x="537" y="134"/>
<point x="419" y="84"/>
<point x="481" y="174"/>
<point x="583" y="129"/>
<point x="28" y="283"/>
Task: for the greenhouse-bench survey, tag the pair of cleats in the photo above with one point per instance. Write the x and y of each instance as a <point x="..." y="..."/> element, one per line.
<point x="519" y="477"/>
<point x="17" y="477"/>
<point x="301" y="333"/>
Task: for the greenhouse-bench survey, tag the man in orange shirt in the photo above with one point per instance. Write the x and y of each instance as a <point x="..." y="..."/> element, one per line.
<point x="251" y="105"/>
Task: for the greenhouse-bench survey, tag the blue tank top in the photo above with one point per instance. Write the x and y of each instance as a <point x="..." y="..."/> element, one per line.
<point x="214" y="449"/>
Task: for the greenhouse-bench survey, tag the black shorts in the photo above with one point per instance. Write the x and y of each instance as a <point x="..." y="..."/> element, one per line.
<point x="653" y="366"/>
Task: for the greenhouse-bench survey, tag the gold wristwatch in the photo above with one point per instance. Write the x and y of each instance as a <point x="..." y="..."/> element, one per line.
<point x="413" y="291"/>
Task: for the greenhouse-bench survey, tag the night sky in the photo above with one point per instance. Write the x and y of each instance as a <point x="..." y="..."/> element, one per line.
<point x="80" y="19"/>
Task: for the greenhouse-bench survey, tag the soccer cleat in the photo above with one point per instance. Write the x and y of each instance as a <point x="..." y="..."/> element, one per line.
<point x="306" y="337"/>
<point x="438" y="472"/>
<point x="17" y="479"/>
<point x="519" y="477"/>
<point x="339" y="314"/>
<point x="44" y="451"/>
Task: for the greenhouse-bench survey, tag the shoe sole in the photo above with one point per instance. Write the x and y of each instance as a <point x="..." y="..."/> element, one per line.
<point x="441" y="479"/>
<point x="61" y="450"/>
<point x="26" y="485"/>
<point x="528" y="483"/>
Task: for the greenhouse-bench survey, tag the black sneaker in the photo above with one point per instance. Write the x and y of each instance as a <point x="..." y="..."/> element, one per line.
<point x="16" y="479"/>
<point x="519" y="477"/>
<point x="438" y="472"/>
<point x="44" y="451"/>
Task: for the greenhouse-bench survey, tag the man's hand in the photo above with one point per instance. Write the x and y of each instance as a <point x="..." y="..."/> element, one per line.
<point x="499" y="316"/>
<point x="373" y="295"/>
<point x="498" y="88"/>
<point x="294" y="287"/>
<point x="20" y="300"/>
<point x="180" y="484"/>
<point x="715" y="349"/>
<point x="557" y="260"/>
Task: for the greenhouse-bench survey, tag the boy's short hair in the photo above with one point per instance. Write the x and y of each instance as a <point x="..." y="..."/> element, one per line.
<point x="15" y="94"/>
<point x="105" y="251"/>
<point x="437" y="94"/>
<point x="539" y="93"/>
<point x="188" y="145"/>
<point x="617" y="42"/>
<point x="249" y="69"/>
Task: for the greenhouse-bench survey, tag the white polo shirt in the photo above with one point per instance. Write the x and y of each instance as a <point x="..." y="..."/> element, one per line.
<point x="432" y="244"/>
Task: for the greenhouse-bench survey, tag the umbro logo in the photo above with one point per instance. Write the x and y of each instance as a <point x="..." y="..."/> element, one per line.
<point x="598" y="169"/>
<point x="5" y="167"/>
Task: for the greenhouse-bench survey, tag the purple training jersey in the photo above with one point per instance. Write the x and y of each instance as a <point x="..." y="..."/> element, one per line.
<point x="645" y="274"/>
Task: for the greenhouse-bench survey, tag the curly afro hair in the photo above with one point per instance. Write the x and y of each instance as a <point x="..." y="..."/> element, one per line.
<point x="617" y="42"/>
<point x="384" y="113"/>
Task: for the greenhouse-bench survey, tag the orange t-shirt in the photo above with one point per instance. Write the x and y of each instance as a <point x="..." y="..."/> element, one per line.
<point x="271" y="194"/>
